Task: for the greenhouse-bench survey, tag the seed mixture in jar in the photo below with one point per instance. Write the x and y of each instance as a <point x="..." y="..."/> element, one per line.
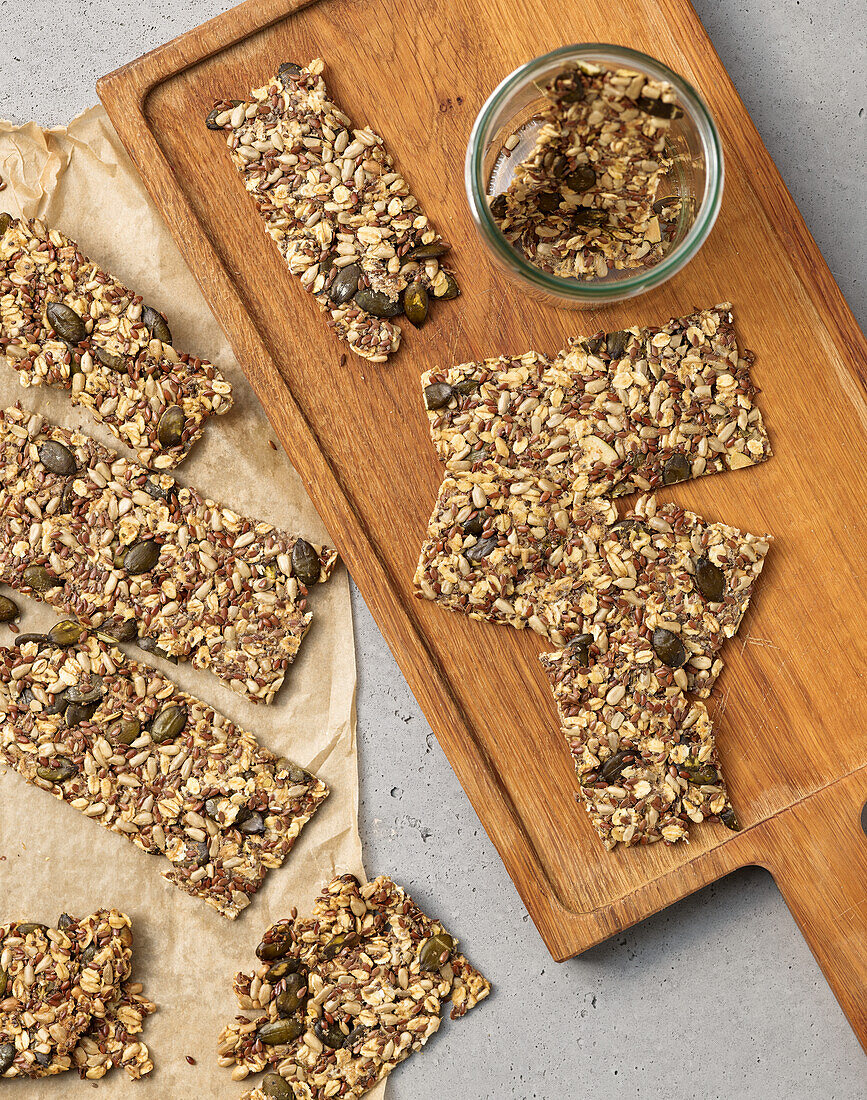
<point x="586" y="201"/>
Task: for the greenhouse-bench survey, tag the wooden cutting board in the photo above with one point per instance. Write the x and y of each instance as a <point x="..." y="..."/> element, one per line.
<point x="790" y="705"/>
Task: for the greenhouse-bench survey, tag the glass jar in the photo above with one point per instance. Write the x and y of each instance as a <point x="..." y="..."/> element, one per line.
<point x="511" y="115"/>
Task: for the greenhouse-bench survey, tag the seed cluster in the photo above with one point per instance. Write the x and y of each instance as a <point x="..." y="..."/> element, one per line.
<point x="130" y="750"/>
<point x="585" y="201"/>
<point x="143" y="558"/>
<point x="525" y="531"/>
<point x="344" y="996"/>
<point x="67" y="1000"/>
<point x="65" y="322"/>
<point x="339" y="210"/>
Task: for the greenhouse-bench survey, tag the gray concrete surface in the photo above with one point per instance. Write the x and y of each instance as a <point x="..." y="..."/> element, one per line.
<point x="718" y="996"/>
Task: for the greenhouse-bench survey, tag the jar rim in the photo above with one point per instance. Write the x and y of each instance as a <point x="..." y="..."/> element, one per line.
<point x="647" y="278"/>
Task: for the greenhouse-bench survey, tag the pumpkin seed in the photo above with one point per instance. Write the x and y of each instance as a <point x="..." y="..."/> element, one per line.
<point x="124" y="731"/>
<point x="39" y="579"/>
<point x="581" y="180"/>
<point x="342" y="941"/>
<point x="282" y="969"/>
<point x="275" y="1087"/>
<point x="306" y="565"/>
<point x="376" y="303"/>
<point x="615" y="764"/>
<point x="123" y="631"/>
<point x="61" y="702"/>
<point x="149" y="645"/>
<point x="66" y="632"/>
<point x="481" y="549"/>
<point x="8" y="610"/>
<point x="730" y="819"/>
<point x="293" y="996"/>
<point x="710" y="580"/>
<point x="26" y="929"/>
<point x="113" y="362"/>
<point x="275" y="947"/>
<point x="289" y="71"/>
<point x="198" y="852"/>
<point x="473" y="526"/>
<point x="345" y="284"/>
<point x="3" y="980"/>
<point x="66" y="323"/>
<point x="76" y="713"/>
<point x="168" y="724"/>
<point x="431" y="955"/>
<point x="64" y="921"/>
<point x="466" y="387"/>
<point x="437" y="395"/>
<point x="415" y="304"/>
<point x="251" y="823"/>
<point x="141" y="557"/>
<point x="588" y="217"/>
<point x="579" y="647"/>
<point x="78" y="693"/>
<point x="616" y="343"/>
<point x="156" y="325"/>
<point x="657" y="108"/>
<point x="703" y="775"/>
<point x="58" y="772"/>
<point x="5" y="221"/>
<point x="23" y="639"/>
<point x="668" y="647"/>
<point x="7" y="1056"/>
<point x="57" y="459"/>
<point x="329" y="1034"/>
<point x="498" y="204"/>
<point x="431" y="251"/>
<point x="276" y="1032"/>
<point x="677" y="469"/>
<point x="211" y="119"/>
<point x="549" y="202"/>
<point x="170" y="429"/>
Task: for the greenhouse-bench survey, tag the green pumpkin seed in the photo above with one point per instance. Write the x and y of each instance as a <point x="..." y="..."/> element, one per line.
<point x="64" y="921"/>
<point x="276" y="1032"/>
<point x="431" y="251"/>
<point x="581" y="180"/>
<point x="61" y="702"/>
<point x="66" y="323"/>
<point x="141" y="557"/>
<point x="170" y="429"/>
<point x="124" y="731"/>
<point x="58" y="772"/>
<point x="376" y="303"/>
<point x="306" y="565"/>
<point x="276" y="946"/>
<point x="615" y="764"/>
<point x="676" y="469"/>
<point x="473" y="526"/>
<point x="549" y="202"/>
<point x="344" y="284"/>
<point x="289" y="71"/>
<point x="588" y="217"/>
<point x="211" y="118"/>
<point x="703" y="775"/>
<point x="3" y="980"/>
<point x="5" y="221"/>
<point x="730" y="819"/>
<point x="329" y="1034"/>
<point x="498" y="205"/>
<point x="156" y="325"/>
<point x="482" y="548"/>
<point x="616" y="343"/>
<point x="415" y="304"/>
<point x="466" y="387"/>
<point x="282" y="969"/>
<point x="275" y="1088"/>
<point x="149" y="645"/>
<point x="250" y="822"/>
<point x="436" y="951"/>
<point x="76" y="713"/>
<point x="66" y="632"/>
<point x="23" y="639"/>
<point x="168" y="724"/>
<point x="342" y="941"/>
<point x="668" y="647"/>
<point x="8" y="610"/>
<point x="7" y="1056"/>
<point x="579" y="648"/>
<point x="710" y="580"/>
<point x="437" y="395"/>
<point x="119" y="557"/>
<point x="293" y="996"/>
<point x="35" y="926"/>
<point x="198" y="852"/>
<point x="124" y="631"/>
<point x="39" y="579"/>
<point x="57" y="459"/>
<point x="657" y="108"/>
<point x="113" y="362"/>
<point x="80" y="693"/>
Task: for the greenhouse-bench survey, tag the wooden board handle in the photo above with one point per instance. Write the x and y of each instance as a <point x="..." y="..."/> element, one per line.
<point x="820" y="866"/>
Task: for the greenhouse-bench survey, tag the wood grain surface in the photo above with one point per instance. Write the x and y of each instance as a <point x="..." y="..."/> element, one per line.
<point x="790" y="705"/>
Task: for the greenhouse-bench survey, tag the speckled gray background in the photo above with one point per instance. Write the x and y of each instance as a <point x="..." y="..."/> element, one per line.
<point x="717" y="996"/>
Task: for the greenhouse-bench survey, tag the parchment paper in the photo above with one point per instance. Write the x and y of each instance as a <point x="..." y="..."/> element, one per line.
<point x="80" y="180"/>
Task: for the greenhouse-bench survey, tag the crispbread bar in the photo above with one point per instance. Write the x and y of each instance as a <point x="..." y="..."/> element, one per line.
<point x="65" y="322"/>
<point x="359" y="986"/>
<point x="223" y="591"/>
<point x="125" y="747"/>
<point x="339" y="210"/>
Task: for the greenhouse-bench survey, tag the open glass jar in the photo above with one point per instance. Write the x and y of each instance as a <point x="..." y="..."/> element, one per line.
<point x="504" y="134"/>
